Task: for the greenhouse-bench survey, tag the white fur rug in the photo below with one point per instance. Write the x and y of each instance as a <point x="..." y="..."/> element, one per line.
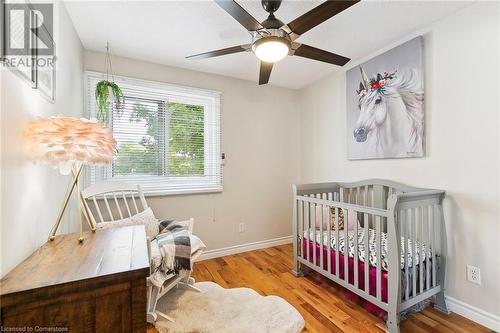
<point x="220" y="310"/>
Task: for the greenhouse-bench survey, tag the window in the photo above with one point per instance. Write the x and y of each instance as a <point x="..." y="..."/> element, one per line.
<point x="168" y="137"/>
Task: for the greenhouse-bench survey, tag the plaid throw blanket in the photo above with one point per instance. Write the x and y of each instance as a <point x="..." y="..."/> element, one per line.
<point x="175" y="246"/>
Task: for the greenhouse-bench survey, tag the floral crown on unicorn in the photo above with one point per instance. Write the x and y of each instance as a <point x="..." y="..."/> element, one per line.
<point x="375" y="84"/>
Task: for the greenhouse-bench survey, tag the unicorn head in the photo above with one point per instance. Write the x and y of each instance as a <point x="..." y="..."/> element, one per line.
<point x="390" y="121"/>
<point x="372" y="104"/>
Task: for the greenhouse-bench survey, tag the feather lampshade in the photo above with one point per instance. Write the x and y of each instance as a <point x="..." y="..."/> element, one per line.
<point x="68" y="144"/>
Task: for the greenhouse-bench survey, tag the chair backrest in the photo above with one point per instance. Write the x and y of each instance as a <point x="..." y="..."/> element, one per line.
<point x="112" y="200"/>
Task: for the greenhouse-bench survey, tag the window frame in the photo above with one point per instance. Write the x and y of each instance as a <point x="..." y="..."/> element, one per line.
<point x="211" y="181"/>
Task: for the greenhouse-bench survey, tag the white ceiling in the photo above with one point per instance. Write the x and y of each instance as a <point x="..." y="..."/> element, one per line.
<point x="165" y="32"/>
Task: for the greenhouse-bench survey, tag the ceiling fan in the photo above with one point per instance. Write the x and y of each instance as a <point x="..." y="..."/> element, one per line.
<point x="272" y="39"/>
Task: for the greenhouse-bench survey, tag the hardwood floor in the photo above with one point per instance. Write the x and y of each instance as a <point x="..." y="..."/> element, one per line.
<point x="319" y="300"/>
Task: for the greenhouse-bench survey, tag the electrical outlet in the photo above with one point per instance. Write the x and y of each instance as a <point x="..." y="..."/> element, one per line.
<point x="241" y="227"/>
<point x="473" y="274"/>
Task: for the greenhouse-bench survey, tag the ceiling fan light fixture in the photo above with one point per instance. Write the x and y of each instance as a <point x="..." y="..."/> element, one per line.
<point x="271" y="49"/>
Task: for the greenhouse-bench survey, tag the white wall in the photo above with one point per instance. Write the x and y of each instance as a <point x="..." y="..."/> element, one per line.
<point x="462" y="143"/>
<point x="31" y="195"/>
<point x="260" y="138"/>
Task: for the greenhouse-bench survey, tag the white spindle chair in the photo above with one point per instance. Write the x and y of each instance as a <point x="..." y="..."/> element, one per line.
<point x="111" y="201"/>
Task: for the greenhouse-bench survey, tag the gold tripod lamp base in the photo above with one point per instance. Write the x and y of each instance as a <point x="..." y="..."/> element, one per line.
<point x="58" y="141"/>
<point x="81" y="206"/>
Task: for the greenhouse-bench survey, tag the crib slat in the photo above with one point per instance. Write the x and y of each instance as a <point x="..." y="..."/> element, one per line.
<point x="321" y="207"/>
<point x="367" y="241"/>
<point x="405" y="218"/>
<point x="313" y="218"/>
<point x="329" y="240"/>
<point x="300" y="217"/>
<point x="416" y="260"/>
<point x="367" y="250"/>
<point x="356" y="258"/>
<point x="337" y="248"/>
<point x="346" y="245"/>
<point x="379" y="257"/>
<point x="107" y="206"/>
<point x="428" y="249"/>
<point x="413" y="252"/>
<point x="373" y="196"/>
<point x="308" y="215"/>
<point x="433" y="256"/>
<point x="421" y="251"/>
<point x="365" y="195"/>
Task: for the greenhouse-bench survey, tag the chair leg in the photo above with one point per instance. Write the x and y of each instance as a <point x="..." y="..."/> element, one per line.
<point x="151" y="317"/>
<point x="165" y="316"/>
<point x="188" y="283"/>
<point x="152" y="301"/>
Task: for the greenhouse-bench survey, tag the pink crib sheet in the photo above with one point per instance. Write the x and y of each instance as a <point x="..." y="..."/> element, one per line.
<point x="372" y="274"/>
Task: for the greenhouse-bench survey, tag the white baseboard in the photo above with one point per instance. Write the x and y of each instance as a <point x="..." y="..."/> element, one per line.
<point x="225" y="251"/>
<point x="470" y="312"/>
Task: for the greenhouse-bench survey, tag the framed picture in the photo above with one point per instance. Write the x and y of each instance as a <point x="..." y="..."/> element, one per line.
<point x="385" y="104"/>
<point x="2" y="30"/>
<point x="22" y="51"/>
<point x="46" y="68"/>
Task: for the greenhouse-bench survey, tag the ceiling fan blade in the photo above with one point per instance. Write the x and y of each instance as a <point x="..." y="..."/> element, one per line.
<point x="318" y="15"/>
<point x="216" y="53"/>
<point x="240" y="15"/>
<point x="310" y="52"/>
<point x="265" y="72"/>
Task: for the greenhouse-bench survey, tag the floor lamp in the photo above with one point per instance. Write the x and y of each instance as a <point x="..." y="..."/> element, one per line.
<point x="68" y="144"/>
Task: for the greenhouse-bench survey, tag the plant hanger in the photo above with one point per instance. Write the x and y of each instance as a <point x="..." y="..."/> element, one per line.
<point x="108" y="92"/>
<point x="107" y="65"/>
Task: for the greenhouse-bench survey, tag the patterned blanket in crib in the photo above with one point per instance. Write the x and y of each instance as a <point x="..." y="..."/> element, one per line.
<point x="373" y="246"/>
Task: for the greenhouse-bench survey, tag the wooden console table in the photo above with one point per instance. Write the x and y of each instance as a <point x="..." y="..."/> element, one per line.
<point x="96" y="286"/>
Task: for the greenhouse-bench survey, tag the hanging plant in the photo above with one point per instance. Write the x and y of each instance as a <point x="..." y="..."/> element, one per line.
<point x="107" y="92"/>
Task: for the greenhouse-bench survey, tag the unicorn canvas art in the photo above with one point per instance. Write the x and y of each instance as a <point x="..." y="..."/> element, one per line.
<point x="385" y="104"/>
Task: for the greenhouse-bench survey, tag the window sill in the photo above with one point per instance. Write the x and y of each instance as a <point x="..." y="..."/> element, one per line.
<point x="167" y="193"/>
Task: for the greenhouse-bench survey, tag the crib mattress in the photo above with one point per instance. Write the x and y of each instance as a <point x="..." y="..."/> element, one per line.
<point x="372" y="241"/>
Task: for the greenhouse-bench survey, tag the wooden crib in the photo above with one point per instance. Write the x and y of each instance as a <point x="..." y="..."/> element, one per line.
<point x="401" y="236"/>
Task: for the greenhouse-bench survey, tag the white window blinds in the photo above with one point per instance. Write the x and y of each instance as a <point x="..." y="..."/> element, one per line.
<point x="168" y="137"/>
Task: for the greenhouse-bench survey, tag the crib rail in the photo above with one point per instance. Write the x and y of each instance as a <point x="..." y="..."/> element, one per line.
<point x="409" y="219"/>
